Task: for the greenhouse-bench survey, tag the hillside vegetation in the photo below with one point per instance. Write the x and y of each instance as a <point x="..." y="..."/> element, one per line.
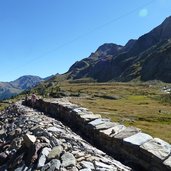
<point x="144" y="105"/>
<point x="95" y="82"/>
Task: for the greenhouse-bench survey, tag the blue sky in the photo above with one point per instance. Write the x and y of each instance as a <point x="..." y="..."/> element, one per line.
<point x="44" y="37"/>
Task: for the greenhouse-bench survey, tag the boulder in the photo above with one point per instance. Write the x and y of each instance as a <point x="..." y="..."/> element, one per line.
<point x="68" y="159"/>
<point x="29" y="140"/>
<point x="55" y="152"/>
<point x="43" y="155"/>
<point x="53" y="165"/>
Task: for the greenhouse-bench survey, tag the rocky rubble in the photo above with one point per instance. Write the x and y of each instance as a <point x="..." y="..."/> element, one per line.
<point x="29" y="140"/>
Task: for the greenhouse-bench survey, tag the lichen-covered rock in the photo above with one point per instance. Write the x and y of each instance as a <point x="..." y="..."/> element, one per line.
<point x="68" y="159"/>
<point x="55" y="152"/>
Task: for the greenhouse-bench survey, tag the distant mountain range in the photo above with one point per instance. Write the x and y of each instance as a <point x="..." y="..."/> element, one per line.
<point x="147" y="58"/>
<point x="9" y="89"/>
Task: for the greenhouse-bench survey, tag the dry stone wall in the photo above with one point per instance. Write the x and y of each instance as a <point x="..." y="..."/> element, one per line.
<point x="32" y="141"/>
<point x="128" y="144"/>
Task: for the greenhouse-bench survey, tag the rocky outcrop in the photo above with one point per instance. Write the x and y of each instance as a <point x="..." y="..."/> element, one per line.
<point x="158" y="64"/>
<point x="128" y="144"/>
<point x="30" y="140"/>
<point x="158" y="34"/>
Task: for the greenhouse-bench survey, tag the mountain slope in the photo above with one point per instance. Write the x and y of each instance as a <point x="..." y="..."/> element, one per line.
<point x="124" y="63"/>
<point x="158" y="34"/>
<point x="26" y="82"/>
<point x="89" y="67"/>
<point x="158" y="64"/>
<point x="9" y="89"/>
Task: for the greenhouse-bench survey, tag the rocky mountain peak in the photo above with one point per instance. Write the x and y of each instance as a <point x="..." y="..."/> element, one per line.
<point x="155" y="36"/>
<point x="129" y="44"/>
<point x="12" y="88"/>
<point x="124" y="63"/>
<point x="109" y="49"/>
<point x="166" y="28"/>
<point x="26" y="81"/>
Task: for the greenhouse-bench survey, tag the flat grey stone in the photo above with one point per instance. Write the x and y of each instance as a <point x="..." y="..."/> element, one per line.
<point x="53" y="165"/>
<point x="167" y="162"/>
<point x="98" y="121"/>
<point x="86" y="169"/>
<point x="54" y="129"/>
<point x="90" y="116"/>
<point x="42" y="159"/>
<point x="105" y="125"/>
<point x="127" y="132"/>
<point x="102" y="165"/>
<point x="158" y="147"/>
<point x="138" y="139"/>
<point x="88" y="165"/>
<point x="111" y="130"/>
<point x="68" y="159"/>
<point x="45" y="151"/>
<point x="114" y="130"/>
<point x="81" y="111"/>
<point x="105" y="169"/>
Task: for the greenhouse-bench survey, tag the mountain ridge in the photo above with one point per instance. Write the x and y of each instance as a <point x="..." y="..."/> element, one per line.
<point x="110" y="62"/>
<point x="12" y="88"/>
<point x="146" y="58"/>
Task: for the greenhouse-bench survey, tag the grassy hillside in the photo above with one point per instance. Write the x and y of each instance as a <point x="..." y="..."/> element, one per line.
<point x="3" y="105"/>
<point x="143" y="105"/>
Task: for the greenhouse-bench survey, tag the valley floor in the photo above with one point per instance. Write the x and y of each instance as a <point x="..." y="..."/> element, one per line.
<point x="145" y="106"/>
